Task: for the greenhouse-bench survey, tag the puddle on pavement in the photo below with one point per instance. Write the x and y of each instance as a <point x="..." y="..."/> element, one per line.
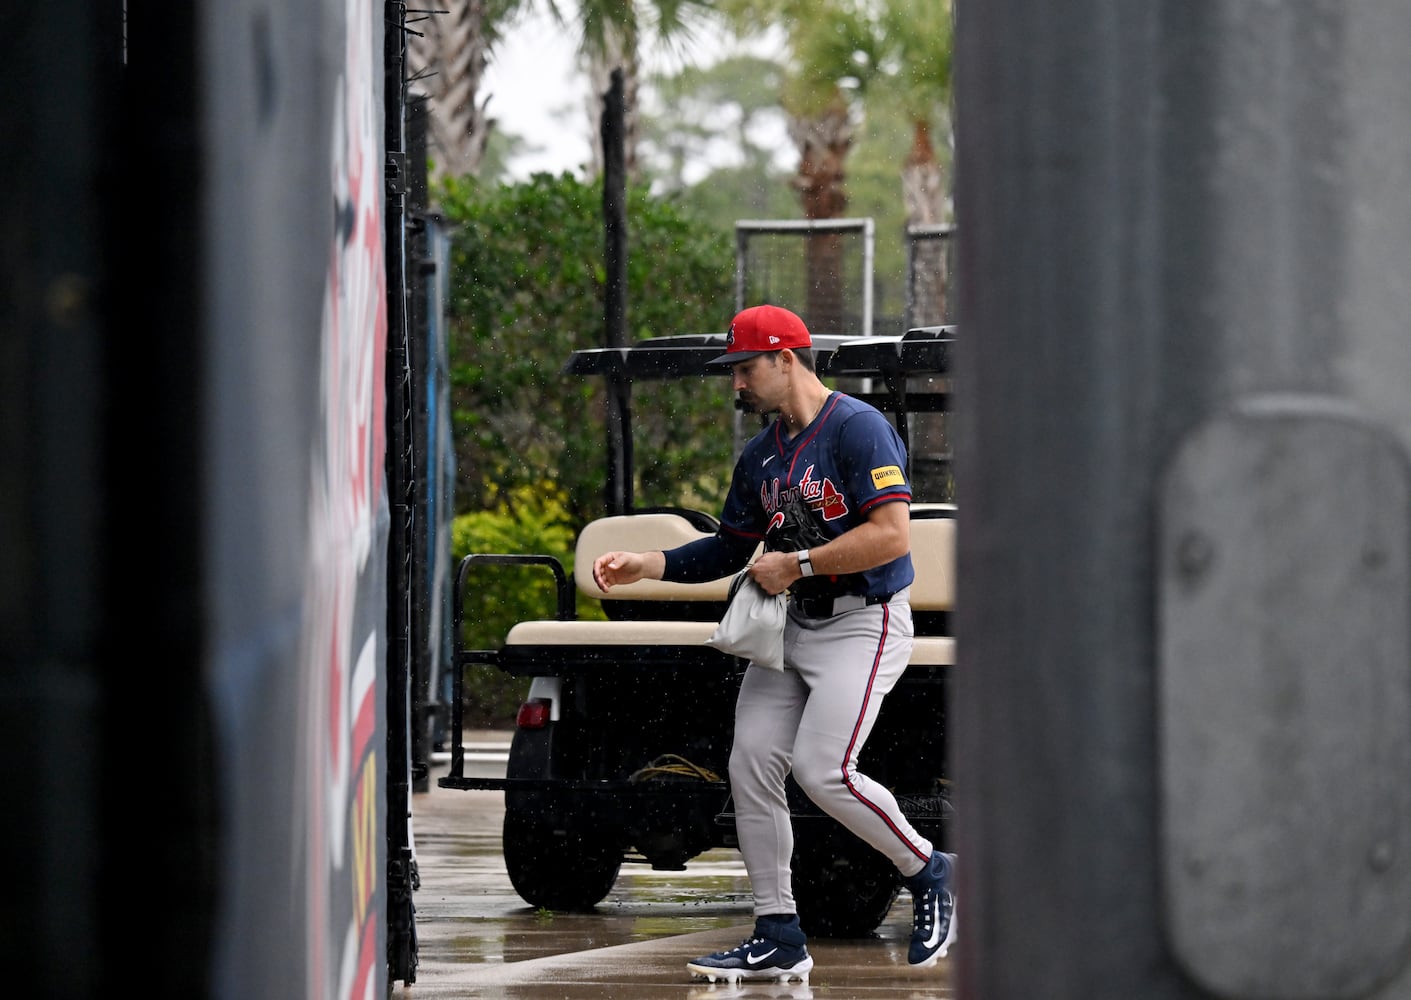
<point x="490" y="923"/>
<point x="477" y="939"/>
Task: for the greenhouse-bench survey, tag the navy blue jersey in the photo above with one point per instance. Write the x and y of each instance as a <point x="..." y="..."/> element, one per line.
<point x="843" y="464"/>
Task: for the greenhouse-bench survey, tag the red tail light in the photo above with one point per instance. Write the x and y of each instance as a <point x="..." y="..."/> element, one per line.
<point x="533" y="714"/>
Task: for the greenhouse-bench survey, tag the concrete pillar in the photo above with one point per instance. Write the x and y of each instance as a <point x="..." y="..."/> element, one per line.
<point x="1183" y="726"/>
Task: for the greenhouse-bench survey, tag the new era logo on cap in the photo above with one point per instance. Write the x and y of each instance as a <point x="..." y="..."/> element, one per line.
<point x="760" y="329"/>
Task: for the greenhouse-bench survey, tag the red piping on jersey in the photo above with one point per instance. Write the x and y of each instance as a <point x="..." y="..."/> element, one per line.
<point x="852" y="742"/>
<point x="884" y="498"/>
<point x="779" y="429"/>
<point x="753" y="536"/>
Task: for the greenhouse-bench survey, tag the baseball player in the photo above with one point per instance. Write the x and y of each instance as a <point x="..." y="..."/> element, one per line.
<point x="838" y="463"/>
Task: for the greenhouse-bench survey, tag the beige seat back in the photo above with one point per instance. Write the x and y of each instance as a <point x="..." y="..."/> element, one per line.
<point x="933" y="558"/>
<point x="641" y="533"/>
<point x="933" y="590"/>
<point x="932" y="553"/>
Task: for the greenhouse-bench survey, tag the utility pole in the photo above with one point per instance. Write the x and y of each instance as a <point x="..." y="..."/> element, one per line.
<point x="619" y="486"/>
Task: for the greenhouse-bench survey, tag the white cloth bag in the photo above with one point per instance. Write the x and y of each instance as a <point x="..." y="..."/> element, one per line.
<point x="753" y="623"/>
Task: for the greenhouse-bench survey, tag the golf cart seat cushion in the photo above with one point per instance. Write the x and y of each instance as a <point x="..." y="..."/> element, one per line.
<point x="933" y="651"/>
<point x="601" y="633"/>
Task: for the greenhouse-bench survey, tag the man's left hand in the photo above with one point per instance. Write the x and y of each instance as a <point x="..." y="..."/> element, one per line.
<point x="776" y="571"/>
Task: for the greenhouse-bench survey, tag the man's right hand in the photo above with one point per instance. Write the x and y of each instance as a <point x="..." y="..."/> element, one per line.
<point x="613" y="568"/>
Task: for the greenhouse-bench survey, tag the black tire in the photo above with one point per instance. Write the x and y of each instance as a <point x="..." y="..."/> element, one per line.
<point x="843" y="887"/>
<point x="556" y="869"/>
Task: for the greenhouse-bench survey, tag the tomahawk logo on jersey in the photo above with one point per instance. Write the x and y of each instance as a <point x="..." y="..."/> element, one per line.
<point x="821" y="496"/>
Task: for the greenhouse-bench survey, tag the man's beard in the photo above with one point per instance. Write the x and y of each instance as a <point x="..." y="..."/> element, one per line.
<point x="750" y="404"/>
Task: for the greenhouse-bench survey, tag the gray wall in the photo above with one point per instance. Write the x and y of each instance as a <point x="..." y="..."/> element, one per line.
<point x="1183" y="713"/>
<point x="193" y="509"/>
<point x="293" y="469"/>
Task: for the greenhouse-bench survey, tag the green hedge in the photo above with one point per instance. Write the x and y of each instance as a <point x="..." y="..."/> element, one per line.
<point x="526" y="289"/>
<point x="524" y="520"/>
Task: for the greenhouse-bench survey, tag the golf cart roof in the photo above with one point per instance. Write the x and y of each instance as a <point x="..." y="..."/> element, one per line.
<point x="922" y="350"/>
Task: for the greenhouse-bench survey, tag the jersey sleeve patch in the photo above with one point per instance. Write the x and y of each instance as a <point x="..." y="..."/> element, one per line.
<point x="887" y="475"/>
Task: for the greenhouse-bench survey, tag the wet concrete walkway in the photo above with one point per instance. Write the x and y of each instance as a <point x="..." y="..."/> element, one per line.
<point x="478" y="939"/>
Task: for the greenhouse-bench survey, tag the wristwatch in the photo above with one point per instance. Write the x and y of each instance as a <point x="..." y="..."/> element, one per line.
<point x="805" y="563"/>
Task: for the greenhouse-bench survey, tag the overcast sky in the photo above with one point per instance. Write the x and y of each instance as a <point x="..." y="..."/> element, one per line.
<point x="531" y="77"/>
<point x="538" y="93"/>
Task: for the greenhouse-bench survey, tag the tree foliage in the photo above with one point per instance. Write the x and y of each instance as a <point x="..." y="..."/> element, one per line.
<point x="701" y="109"/>
<point x="845" y="60"/>
<point x="527" y="289"/>
<point x="527" y="519"/>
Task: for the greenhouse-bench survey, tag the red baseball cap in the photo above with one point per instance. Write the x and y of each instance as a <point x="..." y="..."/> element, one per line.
<point x="760" y="330"/>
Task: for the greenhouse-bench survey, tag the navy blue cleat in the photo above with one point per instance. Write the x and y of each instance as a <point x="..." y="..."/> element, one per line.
<point x="776" y="950"/>
<point x="933" y="910"/>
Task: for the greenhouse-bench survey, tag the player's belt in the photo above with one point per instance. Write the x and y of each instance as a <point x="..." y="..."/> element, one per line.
<point x="827" y="607"/>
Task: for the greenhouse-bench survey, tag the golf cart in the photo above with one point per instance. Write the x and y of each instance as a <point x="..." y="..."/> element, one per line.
<point x="621" y="748"/>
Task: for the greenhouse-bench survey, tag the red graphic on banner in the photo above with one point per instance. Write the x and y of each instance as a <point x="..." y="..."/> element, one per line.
<point x="345" y="601"/>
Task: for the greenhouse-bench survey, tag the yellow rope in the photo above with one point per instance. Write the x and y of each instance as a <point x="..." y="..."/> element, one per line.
<point x="673" y="765"/>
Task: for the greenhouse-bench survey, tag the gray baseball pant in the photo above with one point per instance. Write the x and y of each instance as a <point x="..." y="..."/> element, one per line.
<point x="814" y="717"/>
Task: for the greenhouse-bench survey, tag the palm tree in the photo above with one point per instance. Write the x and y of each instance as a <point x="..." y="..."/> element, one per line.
<point x="611" y="34"/>
<point x="823" y="37"/>
<point x="897" y="51"/>
<point x="455" y="42"/>
<point x="916" y="64"/>
<point x="820" y="121"/>
<point x="448" y="50"/>
<point x="916" y="76"/>
<point x="741" y="91"/>
<point x="842" y="53"/>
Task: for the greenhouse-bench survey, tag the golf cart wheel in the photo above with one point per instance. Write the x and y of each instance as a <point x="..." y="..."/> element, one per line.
<point x="843" y="888"/>
<point x="557" y="869"/>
